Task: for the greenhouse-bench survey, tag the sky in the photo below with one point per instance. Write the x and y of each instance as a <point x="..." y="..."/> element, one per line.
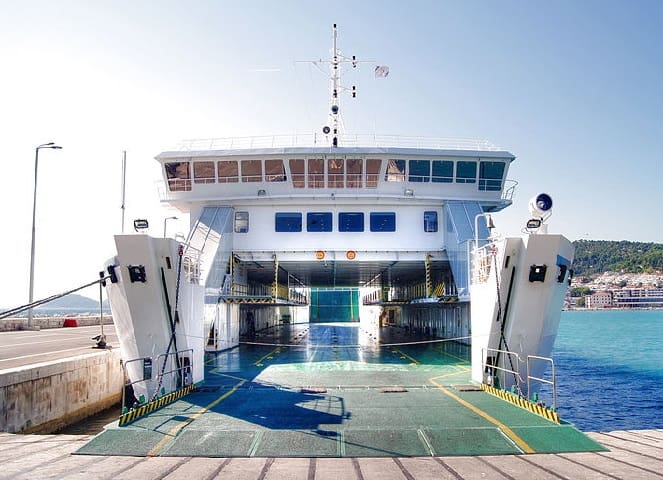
<point x="574" y="89"/>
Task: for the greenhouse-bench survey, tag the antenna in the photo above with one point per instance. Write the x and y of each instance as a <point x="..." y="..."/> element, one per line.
<point x="335" y="87"/>
<point x="124" y="178"/>
<point x="336" y="62"/>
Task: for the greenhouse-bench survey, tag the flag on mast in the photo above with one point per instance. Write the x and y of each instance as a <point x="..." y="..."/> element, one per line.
<point x="381" y="71"/>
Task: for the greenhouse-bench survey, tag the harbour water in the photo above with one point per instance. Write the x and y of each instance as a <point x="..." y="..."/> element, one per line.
<point x="610" y="369"/>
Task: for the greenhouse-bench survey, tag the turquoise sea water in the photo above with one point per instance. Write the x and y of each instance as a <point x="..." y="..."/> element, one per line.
<point x="610" y="369"/>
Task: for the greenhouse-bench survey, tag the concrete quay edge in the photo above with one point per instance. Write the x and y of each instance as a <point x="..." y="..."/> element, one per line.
<point x="632" y="454"/>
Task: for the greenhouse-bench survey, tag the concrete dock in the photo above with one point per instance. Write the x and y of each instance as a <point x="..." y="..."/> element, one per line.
<point x="631" y="455"/>
<point x="55" y="377"/>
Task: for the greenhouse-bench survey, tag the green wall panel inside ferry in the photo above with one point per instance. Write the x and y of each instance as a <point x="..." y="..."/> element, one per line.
<point x="338" y="305"/>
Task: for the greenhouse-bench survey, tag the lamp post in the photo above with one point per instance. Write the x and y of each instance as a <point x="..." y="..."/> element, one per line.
<point x="165" y="221"/>
<point x="32" y="249"/>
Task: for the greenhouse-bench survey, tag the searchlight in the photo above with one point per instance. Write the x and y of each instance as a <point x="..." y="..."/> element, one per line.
<point x="540" y="208"/>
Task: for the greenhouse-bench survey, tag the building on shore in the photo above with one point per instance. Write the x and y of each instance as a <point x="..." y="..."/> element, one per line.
<point x="626" y="298"/>
<point x="599" y="300"/>
<point x="638" y="297"/>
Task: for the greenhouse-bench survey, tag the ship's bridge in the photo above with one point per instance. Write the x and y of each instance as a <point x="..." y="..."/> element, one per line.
<point x="270" y="222"/>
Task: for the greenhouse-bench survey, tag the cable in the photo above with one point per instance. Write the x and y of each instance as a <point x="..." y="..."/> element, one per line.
<point x="441" y="340"/>
<point x="13" y="311"/>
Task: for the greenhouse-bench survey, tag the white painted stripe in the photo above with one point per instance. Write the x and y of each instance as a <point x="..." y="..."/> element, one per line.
<point x="45" y="353"/>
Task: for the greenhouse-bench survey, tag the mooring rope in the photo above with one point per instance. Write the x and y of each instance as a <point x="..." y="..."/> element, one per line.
<point x="28" y="306"/>
<point x="377" y="344"/>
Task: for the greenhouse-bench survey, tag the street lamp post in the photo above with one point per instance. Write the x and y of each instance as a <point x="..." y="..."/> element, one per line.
<point x="32" y="248"/>
<point x="165" y="221"/>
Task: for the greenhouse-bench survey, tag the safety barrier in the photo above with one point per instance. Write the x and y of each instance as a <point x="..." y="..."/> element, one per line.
<point x="497" y="371"/>
<point x="181" y="377"/>
<point x="136" y="413"/>
<point x="517" y="400"/>
<point x="182" y="374"/>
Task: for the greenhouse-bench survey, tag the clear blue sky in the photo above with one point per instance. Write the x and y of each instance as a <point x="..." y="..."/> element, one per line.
<point x="572" y="88"/>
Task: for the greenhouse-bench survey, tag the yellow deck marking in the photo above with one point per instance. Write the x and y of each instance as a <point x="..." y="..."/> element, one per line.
<point x="259" y="361"/>
<point x="231" y="376"/>
<point x="405" y="355"/>
<point x="441" y="350"/>
<point x="509" y="433"/>
<point x="452" y="373"/>
<point x="173" y="431"/>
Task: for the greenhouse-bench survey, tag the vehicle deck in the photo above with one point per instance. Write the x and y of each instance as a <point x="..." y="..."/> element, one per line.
<point x="335" y="390"/>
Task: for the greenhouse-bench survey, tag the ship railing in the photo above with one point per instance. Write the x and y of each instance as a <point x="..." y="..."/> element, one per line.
<point x="145" y="378"/>
<point x="176" y="368"/>
<point x="182" y="373"/>
<point x="496" y="370"/>
<point x="552" y="381"/>
<point x="508" y="189"/>
<point x="482" y="262"/>
<point x="344" y="140"/>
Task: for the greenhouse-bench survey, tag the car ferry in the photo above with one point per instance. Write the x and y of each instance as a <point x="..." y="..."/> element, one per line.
<point x="400" y="225"/>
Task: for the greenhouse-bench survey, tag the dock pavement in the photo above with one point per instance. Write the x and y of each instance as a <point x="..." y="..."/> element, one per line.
<point x="632" y="455"/>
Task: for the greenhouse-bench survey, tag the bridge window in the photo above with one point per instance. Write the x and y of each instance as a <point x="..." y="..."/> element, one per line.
<point x="336" y="173"/>
<point x="443" y="171"/>
<point x="395" y="171"/>
<point x="288" y="222"/>
<point x="353" y="173"/>
<point x="351" y="222"/>
<point x="227" y="171"/>
<point x="203" y="172"/>
<point x="383" y="221"/>
<point x="419" y="171"/>
<point x="251" y="171"/>
<point x="316" y="173"/>
<point x="466" y="172"/>
<point x="297" y="172"/>
<point x="430" y="221"/>
<point x="319" y="222"/>
<point x="490" y="175"/>
<point x="373" y="166"/>
<point x="274" y="171"/>
<point x="178" y="175"/>
<point x="241" y="222"/>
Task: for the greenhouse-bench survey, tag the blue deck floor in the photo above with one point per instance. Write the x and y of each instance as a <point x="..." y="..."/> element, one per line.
<point x="336" y="390"/>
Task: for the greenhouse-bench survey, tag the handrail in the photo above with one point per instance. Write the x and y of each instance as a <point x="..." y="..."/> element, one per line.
<point x="344" y="140"/>
<point x="502" y="369"/>
<point x="126" y="375"/>
<point x="184" y="372"/>
<point x="552" y="382"/>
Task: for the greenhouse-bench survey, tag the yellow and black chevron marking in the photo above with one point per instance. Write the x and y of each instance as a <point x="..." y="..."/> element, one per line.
<point x="143" y="410"/>
<point x="248" y="300"/>
<point x="523" y="403"/>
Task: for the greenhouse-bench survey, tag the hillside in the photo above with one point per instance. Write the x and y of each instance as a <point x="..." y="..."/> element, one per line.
<point x="73" y="301"/>
<point x="597" y="256"/>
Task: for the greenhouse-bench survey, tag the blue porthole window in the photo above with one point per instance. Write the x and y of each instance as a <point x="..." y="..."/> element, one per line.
<point x="430" y="221"/>
<point x="351" y="222"/>
<point x="319" y="222"/>
<point x="383" y="222"/>
<point x="288" y="222"/>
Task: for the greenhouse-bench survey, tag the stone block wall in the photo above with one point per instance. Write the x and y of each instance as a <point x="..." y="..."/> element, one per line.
<point x="45" y="397"/>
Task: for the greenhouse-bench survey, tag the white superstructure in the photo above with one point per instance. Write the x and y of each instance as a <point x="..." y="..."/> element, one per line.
<point x="273" y="217"/>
